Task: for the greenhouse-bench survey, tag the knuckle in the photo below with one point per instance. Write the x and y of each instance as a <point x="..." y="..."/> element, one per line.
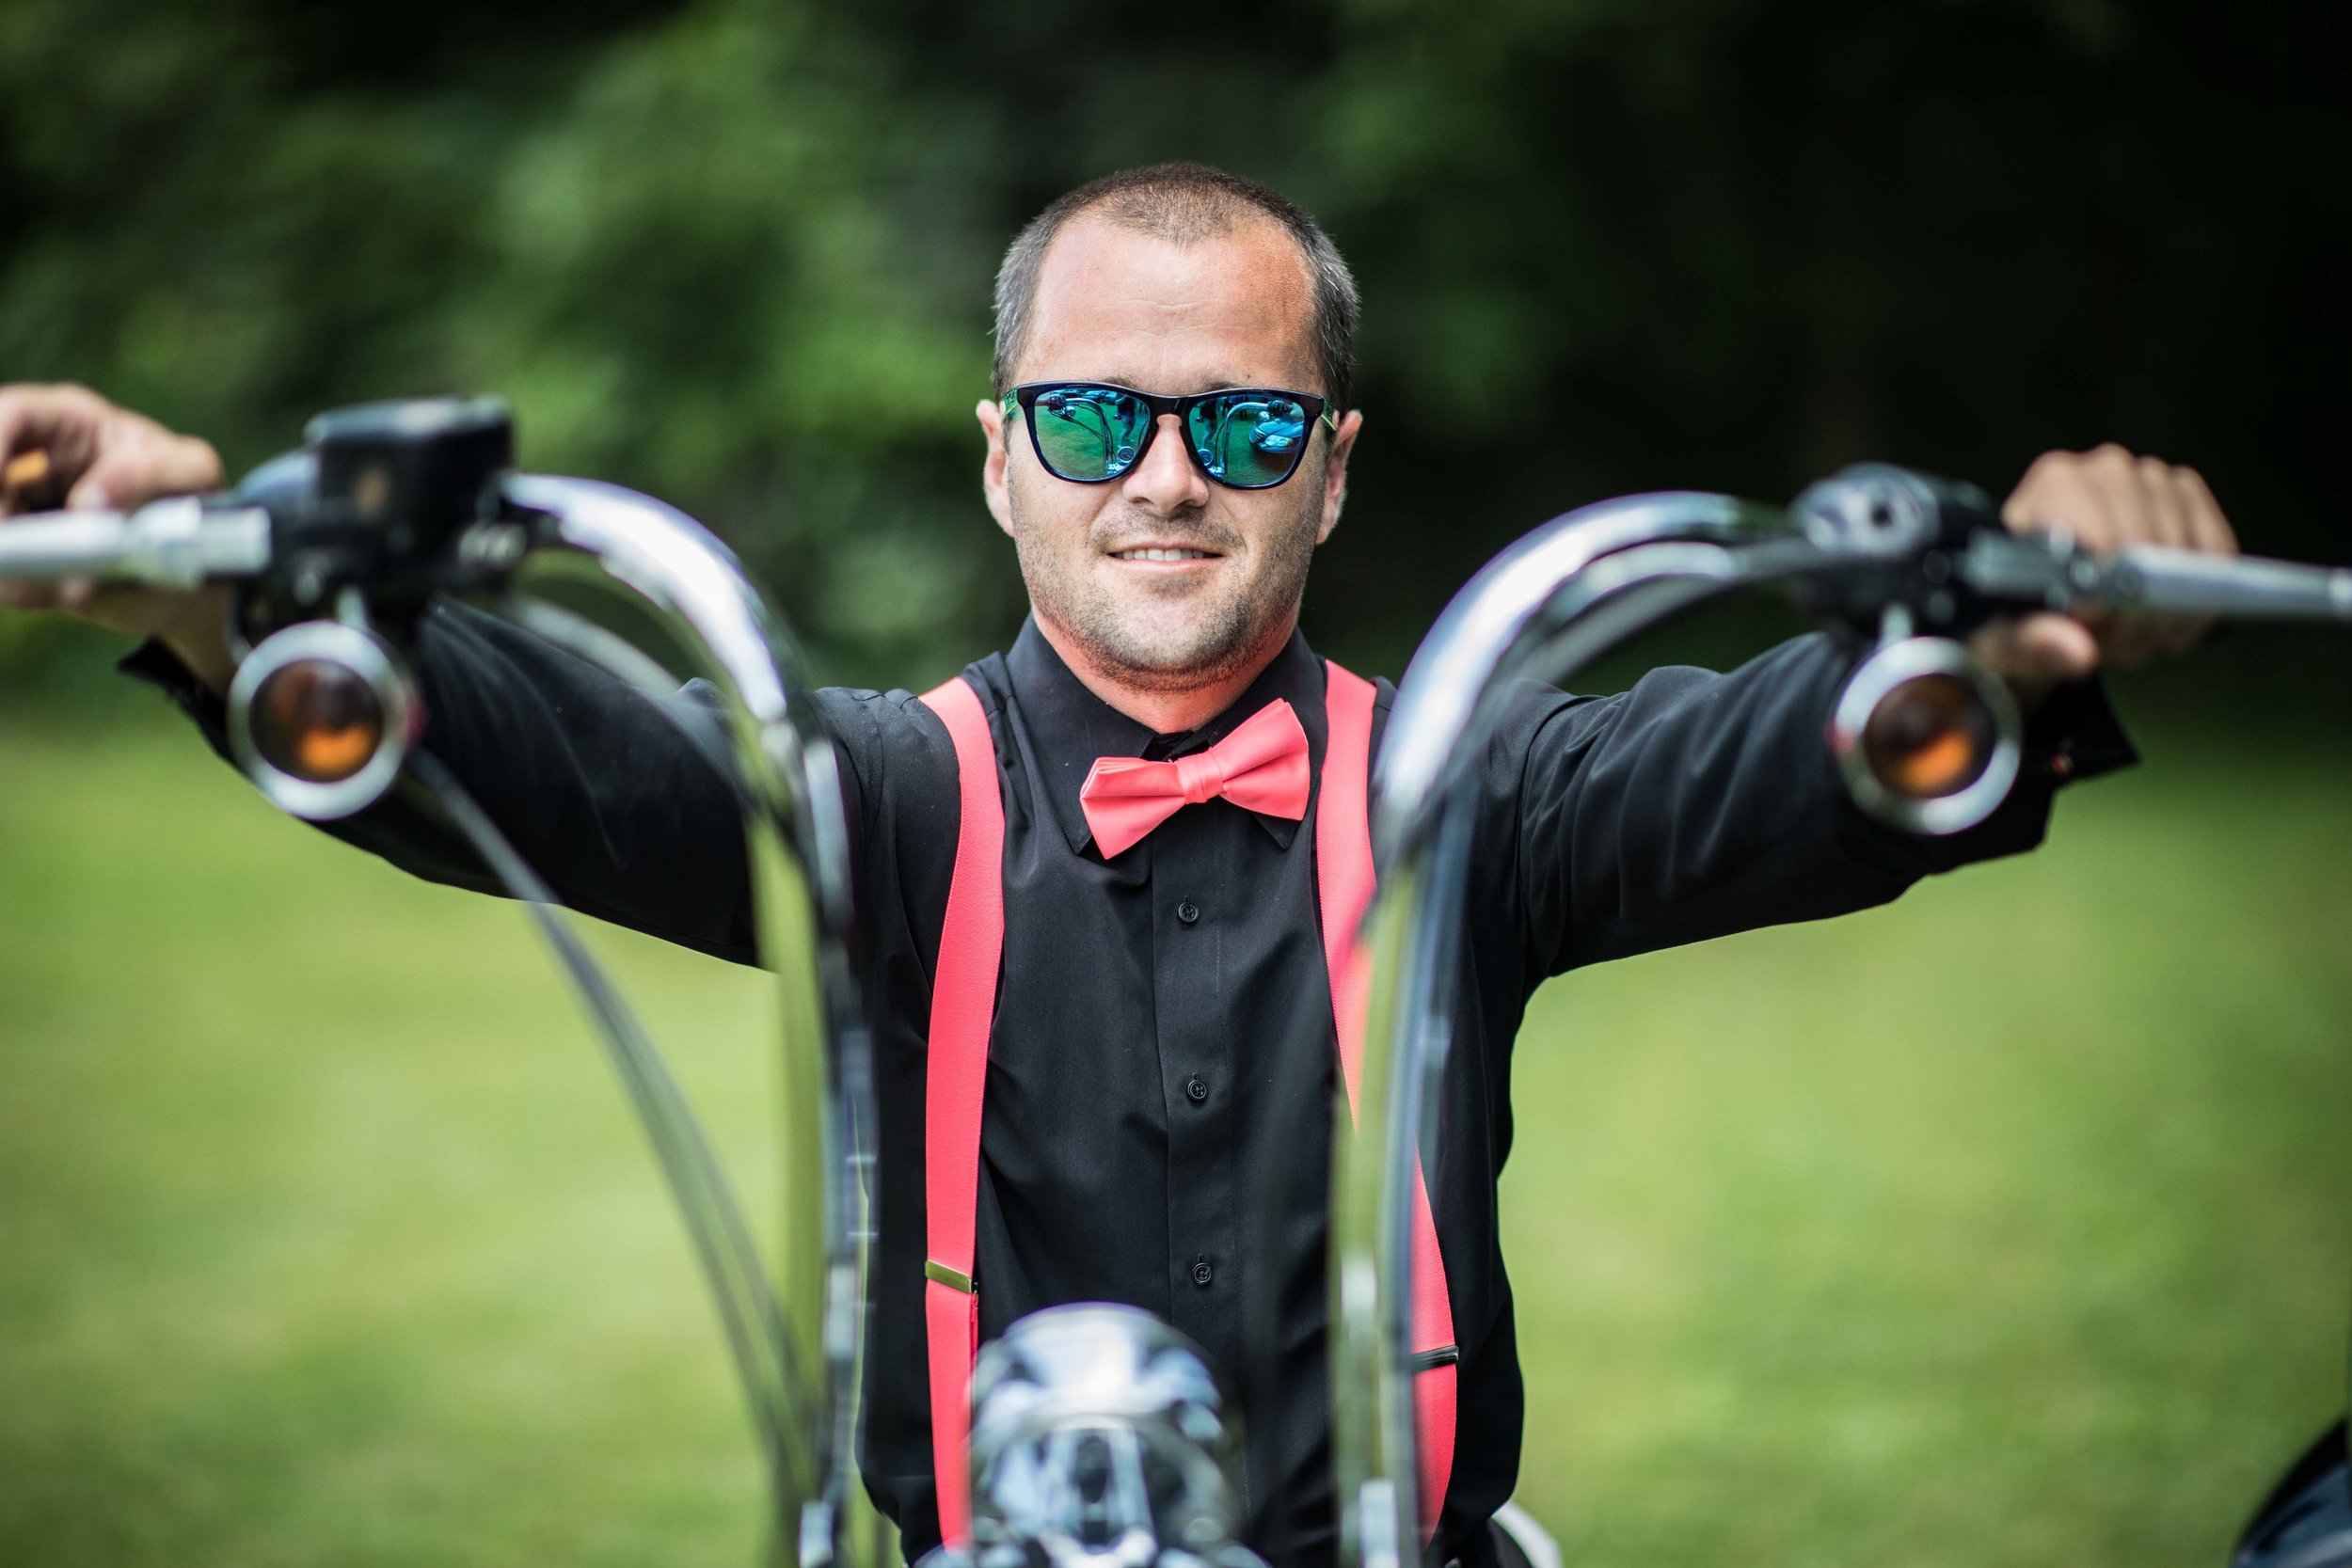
<point x="2057" y="466"/>
<point x="78" y="398"/>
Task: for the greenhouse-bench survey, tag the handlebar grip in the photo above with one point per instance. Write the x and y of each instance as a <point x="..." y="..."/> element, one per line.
<point x="63" y="545"/>
<point x="2052" y="571"/>
<point x="2243" y="587"/>
<point x="178" y="542"/>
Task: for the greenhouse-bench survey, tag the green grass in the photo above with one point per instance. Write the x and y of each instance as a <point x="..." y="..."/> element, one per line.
<point x="2005" y="1225"/>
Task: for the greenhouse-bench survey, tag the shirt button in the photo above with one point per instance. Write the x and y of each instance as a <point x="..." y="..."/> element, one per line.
<point x="1198" y="1088"/>
<point x="1201" y="1272"/>
<point x="1187" y="911"/>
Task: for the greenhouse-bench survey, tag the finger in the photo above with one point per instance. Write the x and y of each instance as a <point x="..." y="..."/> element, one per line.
<point x="134" y="472"/>
<point x="62" y="422"/>
<point x="2165" y="519"/>
<point x="2154" y="516"/>
<point x="2211" y="529"/>
<point x="2111" y="482"/>
<point x="2206" y="532"/>
<point x="2063" y="491"/>
<point x="2105" y="483"/>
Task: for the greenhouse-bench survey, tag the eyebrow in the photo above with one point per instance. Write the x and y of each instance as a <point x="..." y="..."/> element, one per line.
<point x="1214" y="386"/>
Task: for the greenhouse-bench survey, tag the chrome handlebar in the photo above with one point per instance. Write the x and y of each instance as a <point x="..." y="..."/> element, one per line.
<point x="323" y="716"/>
<point x="1877" y="548"/>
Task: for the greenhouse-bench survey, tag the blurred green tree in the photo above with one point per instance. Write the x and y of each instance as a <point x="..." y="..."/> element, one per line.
<point x="738" y="252"/>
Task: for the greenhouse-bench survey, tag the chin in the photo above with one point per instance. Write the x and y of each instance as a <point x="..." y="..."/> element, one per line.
<point x="1180" y="655"/>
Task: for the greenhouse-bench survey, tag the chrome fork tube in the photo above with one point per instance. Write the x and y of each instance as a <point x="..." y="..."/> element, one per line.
<point x="797" y="846"/>
<point x="1563" y="594"/>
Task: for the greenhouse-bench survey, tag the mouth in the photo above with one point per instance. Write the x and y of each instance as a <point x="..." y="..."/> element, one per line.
<point x="1163" y="555"/>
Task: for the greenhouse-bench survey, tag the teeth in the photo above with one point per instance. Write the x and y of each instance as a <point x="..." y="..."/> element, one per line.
<point x="1161" y="555"/>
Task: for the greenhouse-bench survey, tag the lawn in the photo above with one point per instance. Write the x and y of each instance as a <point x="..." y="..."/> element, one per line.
<point x="2006" y="1226"/>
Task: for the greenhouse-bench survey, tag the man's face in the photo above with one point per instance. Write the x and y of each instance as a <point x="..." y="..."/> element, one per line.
<point x="1118" y="305"/>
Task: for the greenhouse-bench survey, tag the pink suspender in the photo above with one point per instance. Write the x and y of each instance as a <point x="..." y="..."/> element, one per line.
<point x="963" y="1008"/>
<point x="1344" y="884"/>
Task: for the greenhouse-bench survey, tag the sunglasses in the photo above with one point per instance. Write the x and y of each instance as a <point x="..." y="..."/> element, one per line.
<point x="1092" y="432"/>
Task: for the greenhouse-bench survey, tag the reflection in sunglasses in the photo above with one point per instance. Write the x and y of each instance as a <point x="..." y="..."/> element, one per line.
<point x="1095" y="432"/>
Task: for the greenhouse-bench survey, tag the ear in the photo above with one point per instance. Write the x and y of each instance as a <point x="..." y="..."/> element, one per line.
<point x="992" y="416"/>
<point x="1335" y="471"/>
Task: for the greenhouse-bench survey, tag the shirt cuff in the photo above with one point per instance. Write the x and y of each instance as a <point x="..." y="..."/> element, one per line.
<point x="153" y="664"/>
<point x="2074" y="735"/>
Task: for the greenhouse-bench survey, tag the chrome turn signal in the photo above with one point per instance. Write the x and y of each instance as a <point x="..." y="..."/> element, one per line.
<point x="1927" y="738"/>
<point x="321" y="717"/>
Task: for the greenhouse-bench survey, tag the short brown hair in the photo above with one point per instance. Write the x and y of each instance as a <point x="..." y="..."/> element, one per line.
<point x="1184" y="203"/>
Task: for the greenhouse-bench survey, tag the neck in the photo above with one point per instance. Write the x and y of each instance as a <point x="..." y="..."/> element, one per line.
<point x="1168" y="705"/>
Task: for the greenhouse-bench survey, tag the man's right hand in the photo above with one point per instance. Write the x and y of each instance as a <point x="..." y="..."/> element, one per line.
<point x="94" y="456"/>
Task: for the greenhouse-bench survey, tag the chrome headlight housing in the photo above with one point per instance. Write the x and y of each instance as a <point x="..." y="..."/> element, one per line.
<point x="1100" y="1438"/>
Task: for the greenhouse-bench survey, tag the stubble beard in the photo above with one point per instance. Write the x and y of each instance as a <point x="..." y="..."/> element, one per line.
<point x="1236" y="626"/>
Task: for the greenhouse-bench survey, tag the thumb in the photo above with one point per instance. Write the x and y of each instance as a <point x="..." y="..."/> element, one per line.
<point x="2039" y="649"/>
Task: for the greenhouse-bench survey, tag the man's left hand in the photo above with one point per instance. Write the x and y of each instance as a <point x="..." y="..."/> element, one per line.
<point x="2108" y="500"/>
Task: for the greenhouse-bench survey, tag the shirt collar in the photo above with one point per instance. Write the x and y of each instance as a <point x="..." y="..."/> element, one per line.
<point x="1070" y="726"/>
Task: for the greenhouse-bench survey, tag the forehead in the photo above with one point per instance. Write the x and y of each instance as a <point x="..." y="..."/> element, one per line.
<point x="1115" y="304"/>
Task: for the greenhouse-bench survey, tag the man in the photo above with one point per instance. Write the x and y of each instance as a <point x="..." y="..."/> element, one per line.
<point x="1154" y="993"/>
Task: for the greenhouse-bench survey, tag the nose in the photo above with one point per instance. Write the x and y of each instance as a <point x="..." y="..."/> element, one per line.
<point x="1166" y="481"/>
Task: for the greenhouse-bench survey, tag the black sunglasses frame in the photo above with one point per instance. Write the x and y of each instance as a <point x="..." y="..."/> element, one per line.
<point x="1025" y="397"/>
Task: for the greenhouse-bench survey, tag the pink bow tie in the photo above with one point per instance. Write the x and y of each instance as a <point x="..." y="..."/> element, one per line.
<point x="1262" y="765"/>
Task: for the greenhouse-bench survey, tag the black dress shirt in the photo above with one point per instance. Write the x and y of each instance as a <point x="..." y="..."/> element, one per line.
<point x="1157" y="1116"/>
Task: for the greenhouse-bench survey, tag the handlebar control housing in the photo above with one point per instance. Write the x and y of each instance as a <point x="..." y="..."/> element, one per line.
<point x="1900" y="535"/>
<point x="386" y="504"/>
<point x="379" y="498"/>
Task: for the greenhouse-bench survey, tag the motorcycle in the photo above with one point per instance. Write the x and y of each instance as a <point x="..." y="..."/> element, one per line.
<point x="1099" y="1437"/>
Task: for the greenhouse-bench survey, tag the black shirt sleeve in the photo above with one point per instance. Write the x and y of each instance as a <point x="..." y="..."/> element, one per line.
<point x="1695" y="804"/>
<point x="624" y="800"/>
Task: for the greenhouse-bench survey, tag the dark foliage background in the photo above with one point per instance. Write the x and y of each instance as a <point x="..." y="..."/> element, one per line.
<point x="738" y="252"/>
<point x="2002" y="1228"/>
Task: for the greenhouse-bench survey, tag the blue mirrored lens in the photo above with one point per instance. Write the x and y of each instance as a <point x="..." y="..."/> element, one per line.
<point x="1088" y="433"/>
<point x="1251" y="439"/>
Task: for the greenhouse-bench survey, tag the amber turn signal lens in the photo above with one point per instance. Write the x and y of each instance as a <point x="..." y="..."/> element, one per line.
<point x="1930" y="736"/>
<point x="318" y="721"/>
